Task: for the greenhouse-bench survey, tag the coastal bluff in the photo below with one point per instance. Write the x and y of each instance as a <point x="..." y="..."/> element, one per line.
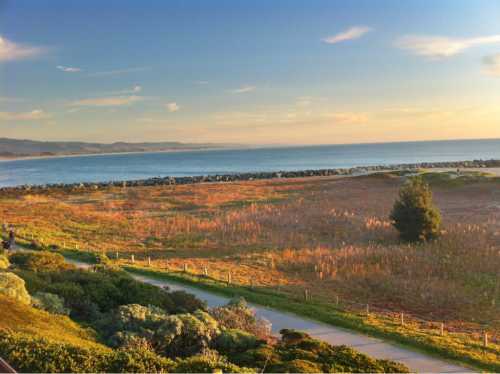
<point x="165" y="181"/>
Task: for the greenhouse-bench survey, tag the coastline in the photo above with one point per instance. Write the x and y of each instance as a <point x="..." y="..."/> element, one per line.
<point x="491" y="166"/>
<point x="8" y="158"/>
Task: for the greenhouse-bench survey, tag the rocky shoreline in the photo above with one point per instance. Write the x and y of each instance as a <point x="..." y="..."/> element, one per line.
<point x="166" y="181"/>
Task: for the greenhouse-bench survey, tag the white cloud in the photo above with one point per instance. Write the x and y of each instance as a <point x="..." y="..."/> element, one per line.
<point x="148" y="120"/>
<point x="437" y="47"/>
<point x="109" y="101"/>
<point x="136" y="89"/>
<point x="204" y="82"/>
<point x="34" y="114"/>
<point x="244" y="89"/>
<point x="112" y="72"/>
<point x="353" y="33"/>
<point x="302" y="104"/>
<point x="173" y="107"/>
<point x="492" y="64"/>
<point x="13" y="51"/>
<point x="67" y="69"/>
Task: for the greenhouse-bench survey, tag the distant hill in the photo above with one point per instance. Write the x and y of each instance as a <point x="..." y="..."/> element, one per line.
<point x="33" y="147"/>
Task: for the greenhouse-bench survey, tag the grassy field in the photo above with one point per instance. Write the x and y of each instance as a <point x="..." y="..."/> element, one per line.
<point x="330" y="235"/>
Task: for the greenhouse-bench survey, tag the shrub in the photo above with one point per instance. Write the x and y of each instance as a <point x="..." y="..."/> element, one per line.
<point x="49" y="302"/>
<point x="201" y="364"/>
<point x="172" y="336"/>
<point x="298" y="366"/>
<point x="413" y="215"/>
<point x="233" y="342"/>
<point x="13" y="286"/>
<point x="4" y="261"/>
<point x="104" y="288"/>
<point x="236" y="315"/>
<point x="21" y="349"/>
<point x="39" y="261"/>
<point x="100" y="257"/>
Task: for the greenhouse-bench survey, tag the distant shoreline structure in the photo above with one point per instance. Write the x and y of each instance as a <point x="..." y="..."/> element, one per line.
<point x="217" y="178"/>
<point x="16" y="157"/>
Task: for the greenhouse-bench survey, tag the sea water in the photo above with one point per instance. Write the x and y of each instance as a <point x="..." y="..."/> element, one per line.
<point x="134" y="166"/>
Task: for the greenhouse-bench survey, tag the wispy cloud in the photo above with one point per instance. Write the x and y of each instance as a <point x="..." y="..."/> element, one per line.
<point x="204" y="82"/>
<point x="34" y="114"/>
<point x="15" y="51"/>
<point x="108" y="101"/>
<point x="10" y="99"/>
<point x="353" y="33"/>
<point x="67" y="69"/>
<point x="492" y="64"/>
<point x="244" y="89"/>
<point x="437" y="47"/>
<point x="303" y="103"/>
<point x="112" y="72"/>
<point x="148" y="120"/>
<point x="173" y="107"/>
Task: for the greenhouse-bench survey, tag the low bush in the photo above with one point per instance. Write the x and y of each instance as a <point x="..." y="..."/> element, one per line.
<point x="236" y="315"/>
<point x="200" y="364"/>
<point x="39" y="261"/>
<point x="13" y="286"/>
<point x="49" y="302"/>
<point x="233" y="342"/>
<point x="104" y="288"/>
<point x="181" y="335"/>
<point x="299" y="353"/>
<point x="4" y="261"/>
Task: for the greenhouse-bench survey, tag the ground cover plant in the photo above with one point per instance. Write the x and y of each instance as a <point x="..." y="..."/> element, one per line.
<point x="330" y="235"/>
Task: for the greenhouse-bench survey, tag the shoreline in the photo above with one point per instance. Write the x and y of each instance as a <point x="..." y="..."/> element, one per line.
<point x="476" y="165"/>
<point x="8" y="158"/>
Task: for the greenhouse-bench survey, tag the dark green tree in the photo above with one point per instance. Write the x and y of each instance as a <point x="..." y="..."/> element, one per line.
<point x="413" y="215"/>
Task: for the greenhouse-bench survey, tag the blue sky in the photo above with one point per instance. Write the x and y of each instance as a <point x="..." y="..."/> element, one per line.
<point x="291" y="72"/>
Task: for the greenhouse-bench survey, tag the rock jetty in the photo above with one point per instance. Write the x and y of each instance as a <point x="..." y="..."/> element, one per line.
<point x="166" y="181"/>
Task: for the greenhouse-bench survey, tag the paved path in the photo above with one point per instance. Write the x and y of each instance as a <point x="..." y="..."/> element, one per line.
<point x="415" y="361"/>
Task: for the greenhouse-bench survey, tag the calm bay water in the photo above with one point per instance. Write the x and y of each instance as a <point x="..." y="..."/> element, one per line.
<point x="117" y="167"/>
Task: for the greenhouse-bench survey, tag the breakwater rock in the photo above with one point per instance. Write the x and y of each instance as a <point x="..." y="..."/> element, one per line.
<point x="166" y="181"/>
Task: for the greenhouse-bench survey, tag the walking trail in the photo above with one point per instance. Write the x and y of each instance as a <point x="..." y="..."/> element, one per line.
<point x="415" y="361"/>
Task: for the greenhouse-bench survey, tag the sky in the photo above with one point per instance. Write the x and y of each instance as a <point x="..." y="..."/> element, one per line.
<point x="252" y="72"/>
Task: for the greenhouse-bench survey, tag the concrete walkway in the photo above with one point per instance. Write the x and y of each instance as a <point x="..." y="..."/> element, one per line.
<point x="415" y="361"/>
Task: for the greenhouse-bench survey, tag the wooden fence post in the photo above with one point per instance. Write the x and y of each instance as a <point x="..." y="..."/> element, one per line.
<point x="185" y="267"/>
<point x="76" y="247"/>
<point x="485" y="340"/>
<point x="251" y="284"/>
<point x="401" y="319"/>
<point x="441" y="329"/>
<point x="117" y="255"/>
<point x="229" y="278"/>
<point x="167" y="264"/>
<point x="149" y="261"/>
<point x="41" y="239"/>
<point x="31" y="236"/>
<point x="132" y="258"/>
<point x="88" y="250"/>
<point x="305" y="295"/>
<point x="206" y="272"/>
<point x="64" y="245"/>
<point x="367" y="310"/>
<point x="336" y="301"/>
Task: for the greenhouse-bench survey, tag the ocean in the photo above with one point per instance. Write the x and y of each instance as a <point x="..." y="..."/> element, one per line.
<point x="133" y="166"/>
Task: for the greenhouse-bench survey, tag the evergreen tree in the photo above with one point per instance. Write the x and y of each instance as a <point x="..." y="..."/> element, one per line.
<point x="413" y="215"/>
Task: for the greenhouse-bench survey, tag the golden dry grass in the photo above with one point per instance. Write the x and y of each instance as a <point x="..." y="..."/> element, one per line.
<point x="331" y="235"/>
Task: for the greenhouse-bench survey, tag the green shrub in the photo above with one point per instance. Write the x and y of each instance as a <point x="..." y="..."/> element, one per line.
<point x="233" y="342"/>
<point x="13" y="286"/>
<point x="35" y="354"/>
<point x="49" y="302"/>
<point x="298" y="366"/>
<point x="100" y="258"/>
<point x="4" y="261"/>
<point x="103" y="288"/>
<point x="39" y="261"/>
<point x="237" y="316"/>
<point x="200" y="364"/>
<point x="172" y="336"/>
<point x="413" y="215"/>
